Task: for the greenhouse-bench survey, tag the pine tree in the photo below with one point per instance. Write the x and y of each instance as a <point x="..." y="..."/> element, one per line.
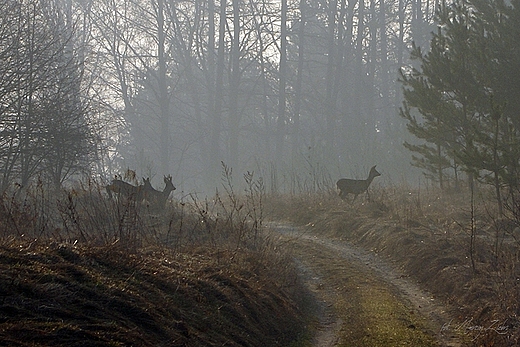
<point x="445" y="92"/>
<point x="462" y="101"/>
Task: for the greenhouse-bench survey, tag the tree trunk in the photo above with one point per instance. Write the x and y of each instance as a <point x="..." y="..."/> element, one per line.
<point x="163" y="100"/>
<point x="282" y="75"/>
<point x="384" y="89"/>
<point x="400" y="47"/>
<point x="234" y="112"/>
<point x="330" y="105"/>
<point x="216" y="114"/>
<point x="211" y="153"/>
<point x="298" y="87"/>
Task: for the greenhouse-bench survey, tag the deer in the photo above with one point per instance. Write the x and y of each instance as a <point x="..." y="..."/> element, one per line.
<point x="120" y="187"/>
<point x="156" y="196"/>
<point x="348" y="186"/>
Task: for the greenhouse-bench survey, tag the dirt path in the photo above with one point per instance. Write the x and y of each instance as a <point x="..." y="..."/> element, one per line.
<point x="362" y="300"/>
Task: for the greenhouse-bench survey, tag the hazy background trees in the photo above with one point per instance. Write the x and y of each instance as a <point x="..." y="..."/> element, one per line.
<point x="44" y="106"/>
<point x="300" y="111"/>
<point x="301" y="92"/>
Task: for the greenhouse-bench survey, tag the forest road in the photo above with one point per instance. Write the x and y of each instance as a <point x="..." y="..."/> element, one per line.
<point x="362" y="300"/>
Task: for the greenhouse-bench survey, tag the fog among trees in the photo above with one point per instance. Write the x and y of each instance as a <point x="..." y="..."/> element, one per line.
<point x="298" y="92"/>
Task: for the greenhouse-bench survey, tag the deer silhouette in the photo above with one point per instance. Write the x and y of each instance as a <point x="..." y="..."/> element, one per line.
<point x="155" y="196"/>
<point x="348" y="186"/>
<point x="122" y="188"/>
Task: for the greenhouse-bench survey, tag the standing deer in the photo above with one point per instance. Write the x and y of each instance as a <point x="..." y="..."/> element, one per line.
<point x="120" y="187"/>
<point x="356" y="187"/>
<point x="156" y="196"/>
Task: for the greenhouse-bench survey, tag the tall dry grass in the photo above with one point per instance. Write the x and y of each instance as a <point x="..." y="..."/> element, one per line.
<point x="227" y="226"/>
<point x="85" y="214"/>
<point x="454" y="243"/>
<point x="199" y="272"/>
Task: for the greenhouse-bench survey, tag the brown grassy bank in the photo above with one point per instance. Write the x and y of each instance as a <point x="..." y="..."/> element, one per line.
<point x="79" y="270"/>
<point x="457" y="250"/>
<point x="69" y="296"/>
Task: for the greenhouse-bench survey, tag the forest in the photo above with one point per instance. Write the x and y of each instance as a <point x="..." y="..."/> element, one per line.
<point x="247" y="112"/>
<point x="298" y="92"/>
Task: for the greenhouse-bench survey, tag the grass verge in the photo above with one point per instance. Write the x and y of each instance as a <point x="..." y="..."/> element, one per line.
<point x="457" y="250"/>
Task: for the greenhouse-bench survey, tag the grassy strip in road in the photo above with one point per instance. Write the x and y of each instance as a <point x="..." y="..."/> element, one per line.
<point x="372" y="314"/>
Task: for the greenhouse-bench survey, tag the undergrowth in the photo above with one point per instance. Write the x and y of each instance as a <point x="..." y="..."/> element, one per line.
<point x="457" y="247"/>
<point x="77" y="268"/>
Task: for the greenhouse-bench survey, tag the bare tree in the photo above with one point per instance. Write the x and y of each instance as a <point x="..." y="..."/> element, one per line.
<point x="45" y="109"/>
<point x="282" y="77"/>
<point x="298" y="83"/>
<point x="195" y="83"/>
<point x="218" y="86"/>
<point x="235" y="115"/>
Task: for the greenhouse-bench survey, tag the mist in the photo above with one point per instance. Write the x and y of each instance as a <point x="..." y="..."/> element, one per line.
<point x="296" y="93"/>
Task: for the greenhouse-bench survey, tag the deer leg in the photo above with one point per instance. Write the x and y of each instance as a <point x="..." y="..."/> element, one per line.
<point x="109" y="192"/>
